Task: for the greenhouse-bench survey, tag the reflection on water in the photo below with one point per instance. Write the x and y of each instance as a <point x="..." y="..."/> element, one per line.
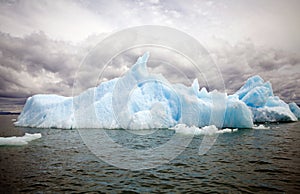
<point x="244" y="161"/>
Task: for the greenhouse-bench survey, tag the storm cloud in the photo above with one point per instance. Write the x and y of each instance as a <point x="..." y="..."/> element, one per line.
<point x="44" y="44"/>
<point x="35" y="64"/>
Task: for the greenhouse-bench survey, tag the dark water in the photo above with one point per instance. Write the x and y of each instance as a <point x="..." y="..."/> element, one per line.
<point x="247" y="161"/>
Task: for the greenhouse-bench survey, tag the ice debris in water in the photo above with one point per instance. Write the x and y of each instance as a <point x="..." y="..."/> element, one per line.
<point x="207" y="130"/>
<point x="141" y="100"/>
<point x="260" y="126"/>
<point x="19" y="140"/>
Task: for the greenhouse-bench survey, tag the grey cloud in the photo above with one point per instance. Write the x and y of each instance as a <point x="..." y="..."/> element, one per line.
<point x="236" y="64"/>
<point x="34" y="64"/>
<point x="63" y="20"/>
<point x="37" y="64"/>
<point x="265" y="21"/>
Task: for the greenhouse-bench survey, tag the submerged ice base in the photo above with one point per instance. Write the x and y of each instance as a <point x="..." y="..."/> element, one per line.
<point x="140" y="100"/>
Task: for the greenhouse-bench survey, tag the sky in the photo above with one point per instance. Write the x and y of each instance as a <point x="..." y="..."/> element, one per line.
<point x="43" y="42"/>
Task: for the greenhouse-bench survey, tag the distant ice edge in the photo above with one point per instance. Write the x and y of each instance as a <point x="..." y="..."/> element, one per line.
<point x="156" y="104"/>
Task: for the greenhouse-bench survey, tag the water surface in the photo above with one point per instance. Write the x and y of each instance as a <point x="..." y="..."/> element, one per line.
<point x="247" y="161"/>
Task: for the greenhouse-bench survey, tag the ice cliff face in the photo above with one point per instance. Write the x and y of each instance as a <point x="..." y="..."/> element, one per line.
<point x="295" y="109"/>
<point x="140" y="100"/>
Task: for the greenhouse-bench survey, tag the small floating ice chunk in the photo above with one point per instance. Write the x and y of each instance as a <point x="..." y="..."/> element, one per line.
<point x="207" y="130"/>
<point x="19" y="140"/>
<point x="193" y="130"/>
<point x="261" y="126"/>
<point x="227" y="130"/>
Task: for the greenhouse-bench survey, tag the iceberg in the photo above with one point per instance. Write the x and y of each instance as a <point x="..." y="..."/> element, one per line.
<point x="142" y="100"/>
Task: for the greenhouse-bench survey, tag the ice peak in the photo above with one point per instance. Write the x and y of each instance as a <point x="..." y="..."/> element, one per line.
<point x="140" y="67"/>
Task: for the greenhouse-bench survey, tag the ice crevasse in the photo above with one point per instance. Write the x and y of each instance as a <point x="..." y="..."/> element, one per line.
<point x="141" y="100"/>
